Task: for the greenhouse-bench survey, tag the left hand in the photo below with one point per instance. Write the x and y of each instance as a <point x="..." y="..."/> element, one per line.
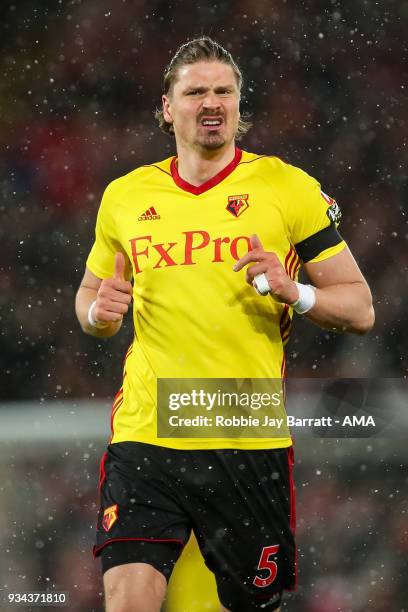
<point x="283" y="288"/>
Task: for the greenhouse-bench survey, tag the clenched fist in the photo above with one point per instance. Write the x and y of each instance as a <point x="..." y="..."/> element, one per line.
<point x="114" y="295"/>
<point x="282" y="287"/>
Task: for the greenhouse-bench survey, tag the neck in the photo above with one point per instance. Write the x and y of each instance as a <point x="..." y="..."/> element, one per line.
<point x="198" y="166"/>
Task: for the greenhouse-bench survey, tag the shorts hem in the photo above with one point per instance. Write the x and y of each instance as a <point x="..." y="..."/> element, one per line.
<point x="97" y="549"/>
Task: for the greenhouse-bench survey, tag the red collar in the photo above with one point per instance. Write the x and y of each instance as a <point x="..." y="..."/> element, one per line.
<point x="211" y="182"/>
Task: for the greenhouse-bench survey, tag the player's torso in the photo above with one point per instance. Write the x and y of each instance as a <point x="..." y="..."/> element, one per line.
<point x="194" y="316"/>
<point x="183" y="247"/>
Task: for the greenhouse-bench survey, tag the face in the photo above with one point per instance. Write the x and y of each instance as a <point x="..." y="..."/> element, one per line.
<point x="203" y="105"/>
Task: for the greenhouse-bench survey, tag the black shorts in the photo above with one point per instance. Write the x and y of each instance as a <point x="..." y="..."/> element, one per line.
<point x="239" y="503"/>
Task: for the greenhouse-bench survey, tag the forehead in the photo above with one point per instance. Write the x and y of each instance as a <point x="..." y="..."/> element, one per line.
<point x="209" y="74"/>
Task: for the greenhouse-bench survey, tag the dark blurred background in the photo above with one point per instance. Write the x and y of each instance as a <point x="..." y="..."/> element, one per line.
<point x="326" y="84"/>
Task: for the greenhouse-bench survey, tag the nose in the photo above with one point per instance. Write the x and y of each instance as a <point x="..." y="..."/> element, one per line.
<point x="211" y="101"/>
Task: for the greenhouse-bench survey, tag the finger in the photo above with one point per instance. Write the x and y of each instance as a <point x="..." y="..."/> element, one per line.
<point x="119" y="267"/>
<point x="121" y="297"/>
<point x="116" y="284"/>
<point x="109" y="305"/>
<point x="262" y="284"/>
<point x="123" y="287"/>
<point x="113" y="302"/>
<point x="254" y="270"/>
<point x="248" y="257"/>
<point x="117" y="307"/>
<point x="105" y="316"/>
<point x="256" y="243"/>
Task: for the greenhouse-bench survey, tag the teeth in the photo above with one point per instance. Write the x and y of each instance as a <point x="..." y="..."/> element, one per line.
<point x="208" y="122"/>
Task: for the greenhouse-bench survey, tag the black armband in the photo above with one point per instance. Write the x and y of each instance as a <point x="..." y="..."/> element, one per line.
<point x="314" y="245"/>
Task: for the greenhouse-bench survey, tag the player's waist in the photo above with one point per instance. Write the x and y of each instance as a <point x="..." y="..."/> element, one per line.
<point x="203" y="443"/>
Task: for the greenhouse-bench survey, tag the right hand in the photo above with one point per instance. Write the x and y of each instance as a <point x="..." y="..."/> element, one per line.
<point x="114" y="295"/>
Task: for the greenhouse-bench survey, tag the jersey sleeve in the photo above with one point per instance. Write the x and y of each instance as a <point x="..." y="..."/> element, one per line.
<point x="313" y="220"/>
<point x="107" y="242"/>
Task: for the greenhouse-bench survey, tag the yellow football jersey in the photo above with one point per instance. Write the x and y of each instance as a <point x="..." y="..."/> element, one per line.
<point x="194" y="317"/>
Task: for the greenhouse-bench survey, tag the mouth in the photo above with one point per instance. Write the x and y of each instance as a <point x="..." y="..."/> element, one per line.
<point x="211" y="123"/>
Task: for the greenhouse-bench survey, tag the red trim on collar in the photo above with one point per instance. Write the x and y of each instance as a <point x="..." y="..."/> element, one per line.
<point x="211" y="182"/>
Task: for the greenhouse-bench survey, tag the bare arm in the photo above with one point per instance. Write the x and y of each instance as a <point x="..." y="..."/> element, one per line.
<point x="112" y="295"/>
<point x="343" y="298"/>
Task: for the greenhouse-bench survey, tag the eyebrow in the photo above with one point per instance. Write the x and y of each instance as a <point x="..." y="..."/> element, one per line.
<point x="202" y="89"/>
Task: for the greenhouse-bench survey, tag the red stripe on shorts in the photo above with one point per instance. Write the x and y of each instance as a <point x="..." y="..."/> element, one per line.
<point x="102" y="474"/>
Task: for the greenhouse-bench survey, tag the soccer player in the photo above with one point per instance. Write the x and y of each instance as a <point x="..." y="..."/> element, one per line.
<point x="198" y="233"/>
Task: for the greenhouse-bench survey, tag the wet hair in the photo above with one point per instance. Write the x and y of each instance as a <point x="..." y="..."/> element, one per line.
<point x="202" y="49"/>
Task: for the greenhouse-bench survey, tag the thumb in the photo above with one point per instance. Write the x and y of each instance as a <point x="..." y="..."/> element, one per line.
<point x="119" y="269"/>
<point x="256" y="243"/>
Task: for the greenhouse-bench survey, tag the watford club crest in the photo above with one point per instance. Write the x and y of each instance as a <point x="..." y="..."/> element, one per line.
<point x="110" y="515"/>
<point x="237" y="204"/>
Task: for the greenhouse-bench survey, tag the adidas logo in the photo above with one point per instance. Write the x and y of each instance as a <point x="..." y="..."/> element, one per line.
<point x="149" y="215"/>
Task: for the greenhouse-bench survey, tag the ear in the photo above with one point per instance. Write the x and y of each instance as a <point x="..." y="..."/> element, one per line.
<point x="166" y="109"/>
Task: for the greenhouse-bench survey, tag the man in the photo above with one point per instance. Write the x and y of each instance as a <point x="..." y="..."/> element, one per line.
<point x="185" y="229"/>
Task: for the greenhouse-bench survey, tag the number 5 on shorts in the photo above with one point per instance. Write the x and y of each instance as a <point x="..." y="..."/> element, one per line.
<point x="265" y="563"/>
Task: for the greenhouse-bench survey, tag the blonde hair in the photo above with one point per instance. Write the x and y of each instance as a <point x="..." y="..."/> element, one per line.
<point x="198" y="50"/>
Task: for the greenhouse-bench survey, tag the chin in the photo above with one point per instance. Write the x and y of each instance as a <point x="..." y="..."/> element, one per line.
<point x="212" y="144"/>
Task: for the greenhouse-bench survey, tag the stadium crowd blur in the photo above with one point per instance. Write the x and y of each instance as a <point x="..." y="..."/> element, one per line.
<point x="351" y="527"/>
<point x="324" y="83"/>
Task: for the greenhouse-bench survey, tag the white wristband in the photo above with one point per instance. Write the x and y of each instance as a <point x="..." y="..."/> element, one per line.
<point x="306" y="300"/>
<point x="261" y="284"/>
<point x="91" y="320"/>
